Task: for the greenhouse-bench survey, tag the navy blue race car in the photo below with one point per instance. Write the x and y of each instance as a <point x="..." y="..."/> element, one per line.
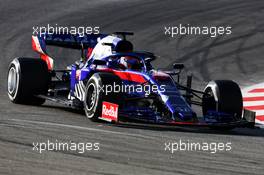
<point x="113" y="82"/>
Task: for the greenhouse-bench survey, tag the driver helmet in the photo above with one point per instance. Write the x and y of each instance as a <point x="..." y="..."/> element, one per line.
<point x="128" y="62"/>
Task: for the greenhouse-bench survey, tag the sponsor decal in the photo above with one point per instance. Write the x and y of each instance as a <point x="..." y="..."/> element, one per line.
<point x="109" y="112"/>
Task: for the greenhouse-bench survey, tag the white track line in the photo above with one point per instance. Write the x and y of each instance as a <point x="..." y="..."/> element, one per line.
<point x="80" y="127"/>
<point x="253" y="103"/>
<point x="260" y="112"/>
<point x="256" y="94"/>
<point x="246" y="89"/>
<point x="260" y="122"/>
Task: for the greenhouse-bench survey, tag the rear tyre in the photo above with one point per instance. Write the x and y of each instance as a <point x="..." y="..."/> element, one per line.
<point x="95" y="95"/>
<point x="27" y="77"/>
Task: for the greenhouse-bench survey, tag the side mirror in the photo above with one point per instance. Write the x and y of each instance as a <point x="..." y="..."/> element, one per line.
<point x="99" y="62"/>
<point x="179" y="66"/>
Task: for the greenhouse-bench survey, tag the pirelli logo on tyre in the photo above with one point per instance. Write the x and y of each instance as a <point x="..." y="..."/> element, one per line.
<point x="109" y="112"/>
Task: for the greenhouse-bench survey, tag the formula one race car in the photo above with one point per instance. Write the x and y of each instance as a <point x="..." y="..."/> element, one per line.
<point x="114" y="83"/>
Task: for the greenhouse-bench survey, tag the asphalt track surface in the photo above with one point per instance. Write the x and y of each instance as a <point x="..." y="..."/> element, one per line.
<point x="133" y="149"/>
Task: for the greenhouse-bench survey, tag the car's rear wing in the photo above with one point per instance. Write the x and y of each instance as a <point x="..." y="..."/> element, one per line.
<point x="72" y="41"/>
<point x="86" y="41"/>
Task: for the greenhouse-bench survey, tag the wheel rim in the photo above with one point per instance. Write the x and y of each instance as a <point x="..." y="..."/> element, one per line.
<point x="12" y="81"/>
<point x="91" y="97"/>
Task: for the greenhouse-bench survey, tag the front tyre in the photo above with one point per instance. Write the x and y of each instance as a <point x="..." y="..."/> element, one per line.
<point x="223" y="96"/>
<point x="27" y="77"/>
<point x="95" y="95"/>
